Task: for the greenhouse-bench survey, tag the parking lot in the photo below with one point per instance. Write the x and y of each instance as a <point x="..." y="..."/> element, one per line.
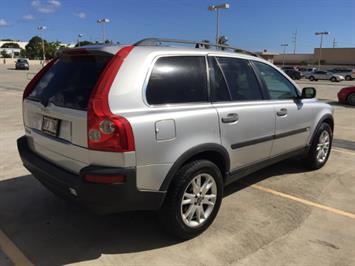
<point x="282" y="215"/>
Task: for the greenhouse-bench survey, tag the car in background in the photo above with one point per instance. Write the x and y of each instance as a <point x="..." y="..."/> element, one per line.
<point x="22" y="63"/>
<point x="324" y="75"/>
<point x="348" y="73"/>
<point x="294" y="74"/>
<point x="347" y="95"/>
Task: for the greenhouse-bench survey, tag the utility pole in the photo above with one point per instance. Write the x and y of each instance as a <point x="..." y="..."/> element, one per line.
<point x="284" y="45"/>
<point x="320" y="46"/>
<point x="217" y="8"/>
<point x="334" y="43"/>
<point x="294" y="41"/>
<point x="41" y="29"/>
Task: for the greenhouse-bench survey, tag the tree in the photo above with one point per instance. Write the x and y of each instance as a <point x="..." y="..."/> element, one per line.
<point x="83" y="43"/>
<point x="223" y="40"/>
<point x="4" y="54"/>
<point x="52" y="48"/>
<point x="10" y="45"/>
<point x="206" y="46"/>
<point x="34" y="48"/>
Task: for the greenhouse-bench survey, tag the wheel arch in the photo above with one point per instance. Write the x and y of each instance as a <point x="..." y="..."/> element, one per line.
<point x="214" y="152"/>
<point x="327" y="118"/>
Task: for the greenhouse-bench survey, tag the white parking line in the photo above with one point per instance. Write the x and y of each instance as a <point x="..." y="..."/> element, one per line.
<point x="13" y="252"/>
<point x="343" y="151"/>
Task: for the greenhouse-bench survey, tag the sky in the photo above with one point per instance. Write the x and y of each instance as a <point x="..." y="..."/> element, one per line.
<point x="249" y="24"/>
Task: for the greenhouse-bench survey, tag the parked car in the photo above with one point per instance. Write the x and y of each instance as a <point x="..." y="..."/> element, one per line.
<point x="324" y="75"/>
<point x="152" y="127"/>
<point x="347" y="95"/>
<point x="294" y="74"/>
<point x="22" y="63"/>
<point x="307" y="70"/>
<point x="348" y="73"/>
<point x="289" y="68"/>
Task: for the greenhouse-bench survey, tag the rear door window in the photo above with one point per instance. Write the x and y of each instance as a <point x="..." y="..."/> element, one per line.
<point x="70" y="81"/>
<point x="178" y="79"/>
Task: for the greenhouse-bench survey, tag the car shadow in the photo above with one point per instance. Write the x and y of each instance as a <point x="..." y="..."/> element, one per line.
<point x="51" y="231"/>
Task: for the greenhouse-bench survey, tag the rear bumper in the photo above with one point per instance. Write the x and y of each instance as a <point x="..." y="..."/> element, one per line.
<point x="99" y="198"/>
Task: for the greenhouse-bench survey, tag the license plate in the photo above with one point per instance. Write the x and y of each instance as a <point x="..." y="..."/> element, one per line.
<point x="50" y="125"/>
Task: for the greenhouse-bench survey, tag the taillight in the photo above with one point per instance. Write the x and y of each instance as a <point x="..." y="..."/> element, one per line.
<point x="105" y="179"/>
<point x="107" y="131"/>
<point x="32" y="84"/>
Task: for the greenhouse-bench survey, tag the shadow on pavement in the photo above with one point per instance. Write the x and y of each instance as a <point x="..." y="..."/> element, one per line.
<point x="51" y="231"/>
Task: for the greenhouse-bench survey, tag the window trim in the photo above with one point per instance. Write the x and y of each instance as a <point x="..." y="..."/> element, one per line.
<point x="264" y="86"/>
<point x="149" y="73"/>
<point x="258" y="81"/>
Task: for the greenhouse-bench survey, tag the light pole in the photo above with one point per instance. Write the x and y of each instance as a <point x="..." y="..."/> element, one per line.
<point x="284" y="45"/>
<point x="79" y="36"/>
<point x="103" y="21"/>
<point x="320" y="46"/>
<point x="217" y="8"/>
<point x="41" y="29"/>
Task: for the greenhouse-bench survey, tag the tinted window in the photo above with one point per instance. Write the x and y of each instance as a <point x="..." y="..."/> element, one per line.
<point x="219" y="89"/>
<point x="277" y="85"/>
<point x="69" y="81"/>
<point x="241" y="79"/>
<point x="178" y="79"/>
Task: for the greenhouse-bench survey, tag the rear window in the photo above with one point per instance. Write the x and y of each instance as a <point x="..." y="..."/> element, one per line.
<point x="70" y="81"/>
<point x="178" y="79"/>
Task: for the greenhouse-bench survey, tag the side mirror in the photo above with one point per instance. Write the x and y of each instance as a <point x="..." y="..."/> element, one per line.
<point x="309" y="92"/>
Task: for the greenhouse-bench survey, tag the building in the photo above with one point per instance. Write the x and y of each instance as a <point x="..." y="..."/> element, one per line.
<point x="268" y="56"/>
<point x="329" y="56"/>
<point x="13" y="52"/>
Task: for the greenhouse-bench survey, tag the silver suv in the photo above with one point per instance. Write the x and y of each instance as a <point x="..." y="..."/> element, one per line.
<point x="152" y="127"/>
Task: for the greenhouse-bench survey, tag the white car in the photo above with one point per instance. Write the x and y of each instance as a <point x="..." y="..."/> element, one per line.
<point x="324" y="75"/>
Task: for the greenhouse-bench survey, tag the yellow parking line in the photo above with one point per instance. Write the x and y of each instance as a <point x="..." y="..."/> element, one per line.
<point x="343" y="151"/>
<point x="13" y="252"/>
<point x="306" y="202"/>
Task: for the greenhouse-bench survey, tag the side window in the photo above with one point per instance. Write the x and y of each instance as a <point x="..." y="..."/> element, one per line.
<point x="241" y="79"/>
<point x="219" y="89"/>
<point x="277" y="85"/>
<point x="178" y="79"/>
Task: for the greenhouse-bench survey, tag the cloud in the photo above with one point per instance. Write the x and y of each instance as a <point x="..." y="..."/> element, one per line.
<point x="3" y="23"/>
<point x="81" y="15"/>
<point x="28" y="17"/>
<point x="46" y="7"/>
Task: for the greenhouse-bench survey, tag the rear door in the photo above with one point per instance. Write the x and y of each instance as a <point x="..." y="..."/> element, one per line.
<point x="55" y="112"/>
<point x="293" y="116"/>
<point x="247" y="122"/>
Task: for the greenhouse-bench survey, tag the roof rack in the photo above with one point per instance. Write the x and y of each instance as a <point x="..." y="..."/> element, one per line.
<point x="159" y="41"/>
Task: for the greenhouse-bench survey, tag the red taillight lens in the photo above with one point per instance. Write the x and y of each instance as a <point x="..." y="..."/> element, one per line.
<point x="106" y="179"/>
<point x="31" y="85"/>
<point x="106" y="131"/>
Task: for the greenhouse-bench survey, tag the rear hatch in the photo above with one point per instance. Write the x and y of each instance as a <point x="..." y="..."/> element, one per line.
<point x="55" y="112"/>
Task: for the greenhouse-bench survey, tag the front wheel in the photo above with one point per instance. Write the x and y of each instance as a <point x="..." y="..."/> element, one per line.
<point x="333" y="79"/>
<point x="351" y="99"/>
<point x="193" y="199"/>
<point x="321" y="145"/>
<point x="311" y="78"/>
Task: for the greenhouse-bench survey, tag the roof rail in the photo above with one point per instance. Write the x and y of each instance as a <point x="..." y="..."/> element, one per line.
<point x="159" y="41"/>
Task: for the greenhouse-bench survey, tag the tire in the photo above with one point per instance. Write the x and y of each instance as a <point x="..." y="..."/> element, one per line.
<point x="333" y="79"/>
<point x="322" y="140"/>
<point x="172" y="212"/>
<point x="311" y="78"/>
<point x="348" y="78"/>
<point x="351" y="99"/>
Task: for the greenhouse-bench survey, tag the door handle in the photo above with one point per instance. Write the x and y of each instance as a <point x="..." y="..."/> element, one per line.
<point x="282" y="112"/>
<point x="231" y="118"/>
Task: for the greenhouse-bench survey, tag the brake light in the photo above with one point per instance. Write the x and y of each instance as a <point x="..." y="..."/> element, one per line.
<point x="106" y="179"/>
<point x="107" y="131"/>
<point x="32" y="84"/>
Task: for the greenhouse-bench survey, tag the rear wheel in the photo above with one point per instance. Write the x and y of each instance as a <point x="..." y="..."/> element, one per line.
<point x="351" y="99"/>
<point x="193" y="199"/>
<point x="348" y="77"/>
<point x="311" y="78"/>
<point x="320" y="147"/>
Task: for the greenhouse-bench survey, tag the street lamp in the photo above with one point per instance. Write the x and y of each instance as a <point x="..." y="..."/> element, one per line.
<point x="217" y="8"/>
<point x="284" y="45"/>
<point x="79" y="36"/>
<point x="320" y="46"/>
<point x="103" y="21"/>
<point x="41" y="29"/>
